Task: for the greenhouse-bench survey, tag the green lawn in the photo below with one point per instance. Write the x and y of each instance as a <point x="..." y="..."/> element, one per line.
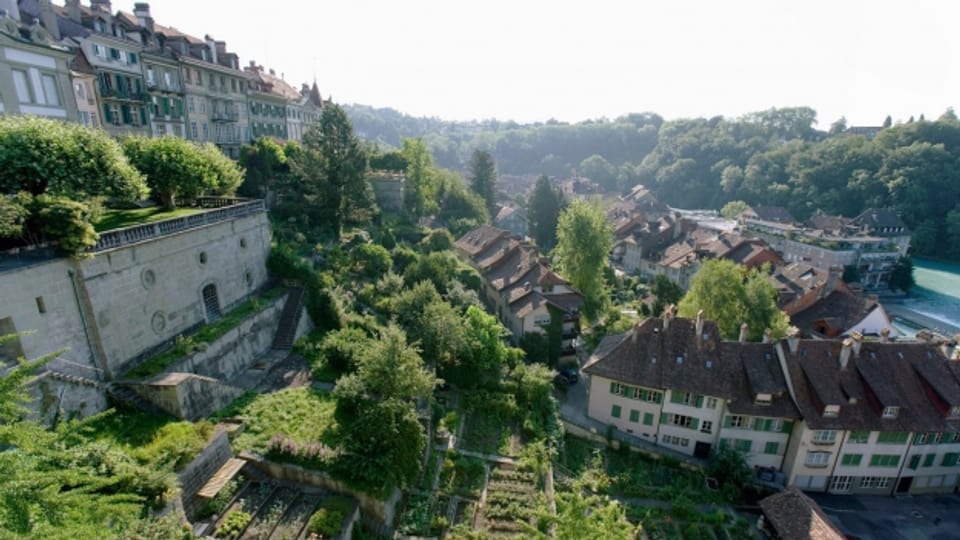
<point x="302" y="414"/>
<point x="118" y="219"/>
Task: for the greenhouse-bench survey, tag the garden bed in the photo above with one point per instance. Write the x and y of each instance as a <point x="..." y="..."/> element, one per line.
<point x="512" y="502"/>
<point x="269" y="514"/>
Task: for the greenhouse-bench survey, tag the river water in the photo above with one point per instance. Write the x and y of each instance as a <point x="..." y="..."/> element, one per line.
<point x="937" y="293"/>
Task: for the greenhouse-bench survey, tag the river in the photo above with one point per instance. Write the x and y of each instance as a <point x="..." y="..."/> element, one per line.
<point x="936" y="295"/>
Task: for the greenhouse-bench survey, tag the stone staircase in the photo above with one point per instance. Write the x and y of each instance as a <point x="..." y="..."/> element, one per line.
<point x="289" y="319"/>
<point x="123" y="396"/>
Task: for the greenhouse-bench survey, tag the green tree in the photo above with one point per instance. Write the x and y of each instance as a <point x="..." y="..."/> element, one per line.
<point x="460" y="209"/>
<point x="177" y="168"/>
<point x="331" y="166"/>
<point x="264" y="163"/>
<point x="418" y="195"/>
<point x="733" y="209"/>
<point x="13" y="215"/>
<point x="483" y="178"/>
<point x="371" y="260"/>
<point x="730" y="468"/>
<point x="732" y="295"/>
<point x="666" y="291"/>
<point x="901" y="276"/>
<point x="46" y="156"/>
<point x="584" y="241"/>
<point x="543" y="211"/>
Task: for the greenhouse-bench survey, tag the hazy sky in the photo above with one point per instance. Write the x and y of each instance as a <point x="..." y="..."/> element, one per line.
<point x="531" y="60"/>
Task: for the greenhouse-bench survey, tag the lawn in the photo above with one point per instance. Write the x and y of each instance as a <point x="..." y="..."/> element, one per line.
<point x="118" y="219"/>
<point x="304" y="415"/>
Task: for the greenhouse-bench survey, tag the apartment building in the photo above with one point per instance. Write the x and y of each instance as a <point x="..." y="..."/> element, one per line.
<point x="519" y="286"/>
<point x="268" y="96"/>
<point x="858" y="416"/>
<point x="84" y="79"/>
<point x="34" y="68"/>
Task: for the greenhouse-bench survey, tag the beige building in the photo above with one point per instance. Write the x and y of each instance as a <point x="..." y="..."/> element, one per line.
<point x="34" y="69"/>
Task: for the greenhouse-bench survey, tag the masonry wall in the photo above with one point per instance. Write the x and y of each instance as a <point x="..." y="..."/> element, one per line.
<point x="145" y="294"/>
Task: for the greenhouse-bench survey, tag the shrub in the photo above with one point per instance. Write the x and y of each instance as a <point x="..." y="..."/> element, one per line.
<point x="233" y="524"/>
<point x="325" y="522"/>
<point x="68" y="222"/>
<point x="437" y="240"/>
<point x="371" y="260"/>
<point x="313" y="455"/>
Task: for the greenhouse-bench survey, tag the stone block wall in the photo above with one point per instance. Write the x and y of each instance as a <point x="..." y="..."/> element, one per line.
<point x="188" y="396"/>
<point x="196" y="474"/>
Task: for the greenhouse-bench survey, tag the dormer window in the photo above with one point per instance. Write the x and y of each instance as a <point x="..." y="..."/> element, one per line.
<point x="825" y="436"/>
<point x="954" y="411"/>
<point x="891" y="412"/>
<point x="831" y="411"/>
<point x="763" y="399"/>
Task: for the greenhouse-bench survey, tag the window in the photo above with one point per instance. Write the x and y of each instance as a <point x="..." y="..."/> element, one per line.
<point x="826" y="436"/>
<point x="771" y="448"/>
<point x="859" y="437"/>
<point x="616" y="388"/>
<point x="22" y="86"/>
<point x="167" y="79"/>
<point x="884" y="460"/>
<point x="768" y="424"/>
<point x="950" y="459"/>
<point x="874" y="482"/>
<point x="206" y="133"/>
<point x="615" y="412"/>
<point x="190" y="104"/>
<point x="831" y="411"/>
<point x="203" y="105"/>
<point x="680" y="420"/>
<point x="922" y="438"/>
<point x="99" y="51"/>
<point x="851" y="459"/>
<point x="711" y="403"/>
<point x="647" y="419"/>
<point x="742" y="445"/>
<point x="929" y="459"/>
<point x="50" y="90"/>
<point x="132" y="57"/>
<point x="41" y="306"/>
<point x="736" y="421"/>
<point x="914" y="461"/>
<point x="114" y="53"/>
<point x="893" y="437"/>
<point x="650" y="396"/>
<point x="676" y="441"/>
<point x="890" y="412"/>
<point x="193" y="130"/>
<point x="150" y="75"/>
<point x="954" y="411"/>
<point x="634" y="415"/>
<point x="818" y="459"/>
<point x="706" y="426"/>
<point x="80" y="90"/>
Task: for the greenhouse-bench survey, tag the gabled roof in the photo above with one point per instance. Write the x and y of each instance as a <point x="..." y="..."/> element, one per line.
<point x="879" y="217"/>
<point x="772" y="213"/>
<point x="479" y="239"/>
<point x="795" y="516"/>
<point x="759" y="373"/>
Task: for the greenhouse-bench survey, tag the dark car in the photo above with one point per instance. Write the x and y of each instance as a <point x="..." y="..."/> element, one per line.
<point x="568" y="375"/>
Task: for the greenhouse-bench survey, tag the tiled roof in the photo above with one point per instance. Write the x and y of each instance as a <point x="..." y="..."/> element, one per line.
<point x="773" y="213"/>
<point x="794" y="516"/>
<point x="759" y="373"/>
<point x="879" y="217"/>
<point x="842" y="307"/>
<point x="479" y="238"/>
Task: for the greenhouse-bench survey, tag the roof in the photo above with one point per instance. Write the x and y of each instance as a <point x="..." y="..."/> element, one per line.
<point x="171" y="32"/>
<point x="759" y="373"/>
<point x="508" y="211"/>
<point x="841" y="307"/>
<point x="827" y="222"/>
<point x="479" y="238"/>
<point x="773" y="213"/>
<point x="879" y="218"/>
<point x="798" y="277"/>
<point x="795" y="516"/>
<point x="272" y="84"/>
<point x="874" y="323"/>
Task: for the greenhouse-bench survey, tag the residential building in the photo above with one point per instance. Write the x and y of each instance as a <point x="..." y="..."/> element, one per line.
<point x="34" y="68"/>
<point x="521" y="289"/>
<point x="84" y="80"/>
<point x="791" y="515"/>
<point x="215" y="89"/>
<point x="511" y="217"/>
<point x="268" y="96"/>
<point x="161" y="70"/>
<point x="304" y="111"/>
<point x="862" y="416"/>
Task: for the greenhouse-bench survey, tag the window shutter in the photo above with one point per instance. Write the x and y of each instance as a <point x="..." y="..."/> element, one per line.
<point x="125" y="114"/>
<point x="676" y="397"/>
<point x="699" y="401"/>
<point x="106" y="113"/>
<point x="664" y="418"/>
<point x="915" y="461"/>
<point x="787" y="426"/>
<point x="728" y="421"/>
<point x="613" y="387"/>
<point x="143" y="115"/>
<point x="694" y="423"/>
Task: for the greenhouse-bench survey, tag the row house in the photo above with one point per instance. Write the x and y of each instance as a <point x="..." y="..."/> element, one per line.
<point x="858" y="416"/>
<point x="267" y="99"/>
<point x="34" y="68"/>
<point x="304" y="111"/>
<point x="521" y="289"/>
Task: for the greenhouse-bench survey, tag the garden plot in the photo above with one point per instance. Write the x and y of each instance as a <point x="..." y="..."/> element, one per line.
<point x="296" y="518"/>
<point x="512" y="502"/>
<point x="269" y="514"/>
<point x="424" y="514"/>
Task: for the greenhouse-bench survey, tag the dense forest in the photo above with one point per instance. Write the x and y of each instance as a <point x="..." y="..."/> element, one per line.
<point x="772" y="157"/>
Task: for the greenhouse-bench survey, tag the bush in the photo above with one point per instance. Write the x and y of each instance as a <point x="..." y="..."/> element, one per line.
<point x="437" y="240"/>
<point x="234" y="523"/>
<point x="68" y="222"/>
<point x="371" y="260"/>
<point x="326" y="522"/>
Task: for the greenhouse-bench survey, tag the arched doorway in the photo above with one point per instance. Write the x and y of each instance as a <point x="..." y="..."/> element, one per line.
<point x="211" y="302"/>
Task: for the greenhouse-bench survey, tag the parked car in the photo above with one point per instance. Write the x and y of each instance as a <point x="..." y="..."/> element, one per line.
<point x="568" y="375"/>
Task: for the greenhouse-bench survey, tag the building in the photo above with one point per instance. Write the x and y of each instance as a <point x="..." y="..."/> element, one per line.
<point x="304" y="112"/>
<point x="512" y="218"/>
<point x="521" y="289"/>
<point x="161" y="70"/>
<point x="862" y="416"/>
<point x="387" y="189"/>
<point x="34" y="69"/>
<point x="84" y="80"/>
<point x="268" y="96"/>
<point x="791" y="515"/>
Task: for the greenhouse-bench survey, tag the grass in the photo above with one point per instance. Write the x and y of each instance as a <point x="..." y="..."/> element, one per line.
<point x="207" y="334"/>
<point x="302" y="414"/>
<point x="118" y="219"/>
<point x="159" y="442"/>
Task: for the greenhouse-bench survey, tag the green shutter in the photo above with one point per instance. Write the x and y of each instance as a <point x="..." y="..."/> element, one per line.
<point x="728" y="421"/>
<point x="125" y="114"/>
<point x="143" y="116"/>
<point x="664" y="418"/>
<point x="771" y="448"/>
<point x="699" y="401"/>
<point x="634" y="415"/>
<point x="787" y="426"/>
<point x="613" y="387"/>
<point x="694" y="423"/>
<point x="106" y="114"/>
<point x="676" y="397"/>
<point x="615" y="412"/>
<point x="928" y="460"/>
<point x="914" y="461"/>
<point x="647" y="419"/>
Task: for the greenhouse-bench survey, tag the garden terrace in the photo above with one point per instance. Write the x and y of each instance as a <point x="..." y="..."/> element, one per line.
<point x="209" y="210"/>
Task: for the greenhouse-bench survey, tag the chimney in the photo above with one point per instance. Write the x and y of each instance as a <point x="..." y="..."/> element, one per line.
<point x="142" y="11"/>
<point x="212" y="47"/>
<point x="833" y="275"/>
<point x="73" y="10"/>
<point x="885" y="335"/>
<point x="744" y="332"/>
<point x="767" y="336"/>
<point x="12" y="8"/>
<point x="845" y="353"/>
<point x="947" y="349"/>
<point x="857" y="342"/>
<point x="667" y="316"/>
<point x="272" y="72"/>
<point x="49" y="19"/>
<point x="101" y="5"/>
<point x="793" y="339"/>
<point x="699" y="326"/>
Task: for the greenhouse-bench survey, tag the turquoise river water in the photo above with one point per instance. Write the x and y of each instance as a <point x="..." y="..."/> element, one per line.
<point x="937" y="293"/>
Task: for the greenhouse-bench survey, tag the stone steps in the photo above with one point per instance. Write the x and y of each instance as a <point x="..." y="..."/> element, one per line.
<point x="289" y="319"/>
<point x="127" y="398"/>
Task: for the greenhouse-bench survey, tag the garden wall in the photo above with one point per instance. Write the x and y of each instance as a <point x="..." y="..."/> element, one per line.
<point x="380" y="513"/>
<point x="187" y="395"/>
<point x="583" y="433"/>
<point x="196" y="474"/>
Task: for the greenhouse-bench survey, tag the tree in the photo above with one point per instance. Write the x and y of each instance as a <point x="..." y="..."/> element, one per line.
<point x="584" y="243"/>
<point x="177" y="168"/>
<point x="46" y="156"/>
<point x="371" y="260"/>
<point x="733" y="209"/>
<point x="264" y="163"/>
<point x="483" y="178"/>
<point x="418" y="195"/>
<point x="839" y="126"/>
<point x="729" y="467"/>
<point x="732" y="295"/>
<point x="887" y="122"/>
<point x="332" y="166"/>
<point x="543" y="211"/>
<point x="901" y="276"/>
<point x="666" y="291"/>
<point x="461" y="209"/>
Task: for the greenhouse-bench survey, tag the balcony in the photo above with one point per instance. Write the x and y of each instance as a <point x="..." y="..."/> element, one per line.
<point x="113" y="93"/>
<point x="224" y="116"/>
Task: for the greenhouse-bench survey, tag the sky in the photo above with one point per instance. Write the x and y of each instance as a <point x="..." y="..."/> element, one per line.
<point x="533" y="60"/>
